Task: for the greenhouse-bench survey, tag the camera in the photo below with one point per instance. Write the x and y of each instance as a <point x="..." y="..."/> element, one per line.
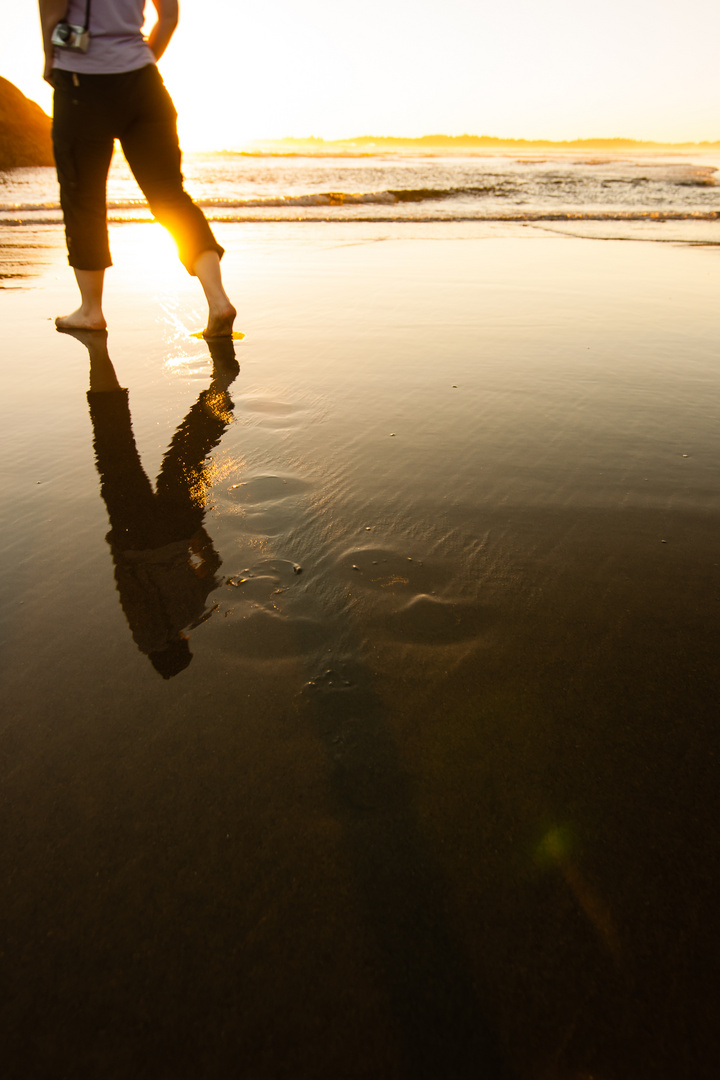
<point x="66" y="36"/>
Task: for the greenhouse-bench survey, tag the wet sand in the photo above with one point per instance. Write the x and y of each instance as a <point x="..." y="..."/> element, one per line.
<point x="377" y="737"/>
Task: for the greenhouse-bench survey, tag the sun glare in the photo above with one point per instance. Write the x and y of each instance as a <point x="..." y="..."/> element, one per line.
<point x="146" y="253"/>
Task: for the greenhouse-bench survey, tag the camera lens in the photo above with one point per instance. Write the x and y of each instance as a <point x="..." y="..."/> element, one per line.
<point x="63" y="31"/>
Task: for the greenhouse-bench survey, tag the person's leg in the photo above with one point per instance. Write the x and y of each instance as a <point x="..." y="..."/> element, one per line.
<point x="83" y="146"/>
<point x="89" y="316"/>
<point x="150" y="144"/>
<point x="221" y="313"/>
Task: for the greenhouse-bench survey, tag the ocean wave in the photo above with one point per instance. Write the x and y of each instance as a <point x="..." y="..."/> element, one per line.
<point x="319" y="198"/>
<point x="551" y="185"/>
<point x="385" y="197"/>
<point x="389" y="218"/>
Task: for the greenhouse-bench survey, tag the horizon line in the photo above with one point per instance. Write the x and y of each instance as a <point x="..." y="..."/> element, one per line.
<point x="438" y="139"/>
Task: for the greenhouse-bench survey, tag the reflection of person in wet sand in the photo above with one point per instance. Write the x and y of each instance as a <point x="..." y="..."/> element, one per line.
<point x="107" y="86"/>
<point x="165" y="562"/>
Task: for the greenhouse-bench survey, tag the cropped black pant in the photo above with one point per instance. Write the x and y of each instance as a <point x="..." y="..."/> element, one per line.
<point x="89" y="113"/>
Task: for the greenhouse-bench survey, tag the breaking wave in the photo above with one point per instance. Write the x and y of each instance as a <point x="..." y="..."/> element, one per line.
<point x="498" y="187"/>
<point x="427" y="218"/>
<point x="318" y="198"/>
<point x="597" y="189"/>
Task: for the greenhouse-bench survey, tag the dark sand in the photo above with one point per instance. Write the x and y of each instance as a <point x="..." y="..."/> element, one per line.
<point x="436" y="795"/>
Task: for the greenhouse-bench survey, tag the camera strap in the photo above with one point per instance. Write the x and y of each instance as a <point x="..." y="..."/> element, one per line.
<point x="87" y="16"/>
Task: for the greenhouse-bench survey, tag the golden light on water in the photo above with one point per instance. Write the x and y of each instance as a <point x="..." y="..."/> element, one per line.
<point x="145" y="259"/>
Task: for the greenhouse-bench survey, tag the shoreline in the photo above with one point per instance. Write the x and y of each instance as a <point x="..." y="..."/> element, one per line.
<point x="21" y="244"/>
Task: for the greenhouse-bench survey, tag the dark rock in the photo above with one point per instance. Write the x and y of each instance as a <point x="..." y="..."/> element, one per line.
<point x="25" y="139"/>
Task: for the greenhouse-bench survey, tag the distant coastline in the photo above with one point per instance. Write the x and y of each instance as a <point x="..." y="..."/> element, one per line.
<point x="460" y="144"/>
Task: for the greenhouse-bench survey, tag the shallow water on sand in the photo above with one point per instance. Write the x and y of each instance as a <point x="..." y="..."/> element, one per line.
<point x="429" y="790"/>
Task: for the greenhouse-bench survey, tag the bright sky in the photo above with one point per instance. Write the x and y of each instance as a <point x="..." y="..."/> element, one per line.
<point x="561" y="69"/>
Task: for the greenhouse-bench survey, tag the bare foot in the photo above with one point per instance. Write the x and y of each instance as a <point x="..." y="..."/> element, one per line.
<point x="82" y="320"/>
<point x="220" y="322"/>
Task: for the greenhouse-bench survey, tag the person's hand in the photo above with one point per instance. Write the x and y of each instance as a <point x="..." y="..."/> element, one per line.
<point x="47" y="70"/>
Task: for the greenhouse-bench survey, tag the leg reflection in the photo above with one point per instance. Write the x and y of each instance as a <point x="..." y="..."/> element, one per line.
<point x="165" y="562"/>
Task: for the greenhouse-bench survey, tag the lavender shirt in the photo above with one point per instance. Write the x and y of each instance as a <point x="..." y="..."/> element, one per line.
<point x="116" y="41"/>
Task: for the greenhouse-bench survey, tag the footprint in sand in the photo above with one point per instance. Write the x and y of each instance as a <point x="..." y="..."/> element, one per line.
<point x="259" y="628"/>
<point x="268" y="413"/>
<point x="270" y="488"/>
<point x="375" y="568"/>
<point x="428" y="620"/>
<point x="271" y="635"/>
<point x="425" y="618"/>
<point x="262" y="580"/>
<point x="266" y="503"/>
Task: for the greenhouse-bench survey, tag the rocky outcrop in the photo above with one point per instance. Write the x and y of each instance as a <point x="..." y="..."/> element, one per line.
<point x="24" y="130"/>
